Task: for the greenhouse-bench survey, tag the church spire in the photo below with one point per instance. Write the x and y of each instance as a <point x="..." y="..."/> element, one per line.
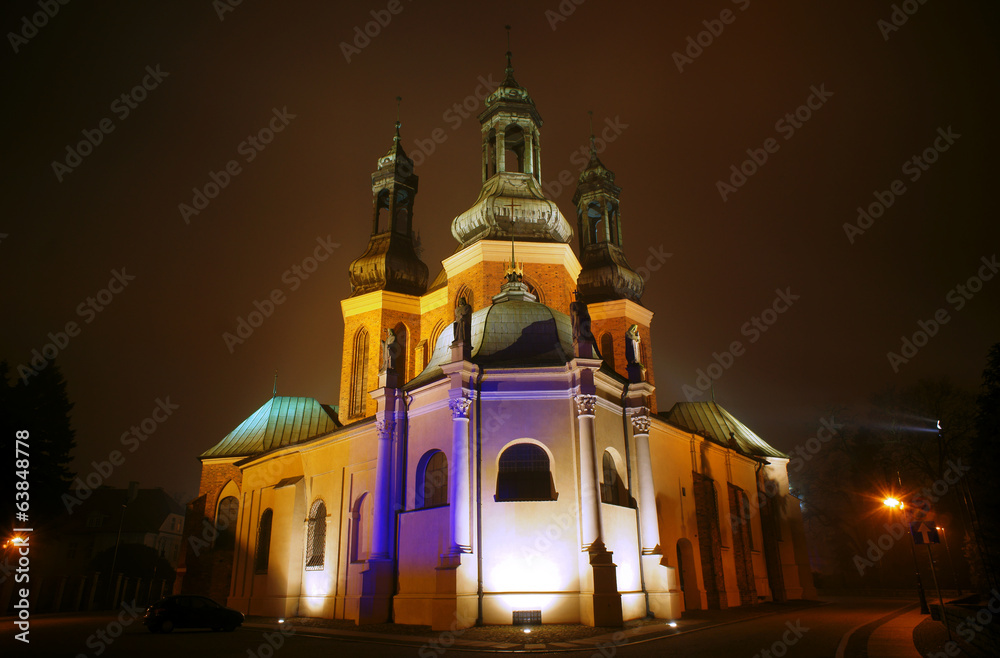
<point x="511" y="171"/>
<point x="390" y="261"/>
<point x="606" y="274"/>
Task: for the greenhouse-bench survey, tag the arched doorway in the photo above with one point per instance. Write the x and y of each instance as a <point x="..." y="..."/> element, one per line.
<point x="687" y="575"/>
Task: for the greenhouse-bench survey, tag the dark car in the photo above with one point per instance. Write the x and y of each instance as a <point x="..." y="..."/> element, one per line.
<point x="190" y="612"/>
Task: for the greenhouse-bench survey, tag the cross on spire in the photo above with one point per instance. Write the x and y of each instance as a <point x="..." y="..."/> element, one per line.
<point x="510" y="67"/>
<point x="399" y="100"/>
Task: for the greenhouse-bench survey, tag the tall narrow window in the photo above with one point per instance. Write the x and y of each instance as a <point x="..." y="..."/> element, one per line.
<point x="381" y="212"/>
<point x="225" y="523"/>
<point x="595" y="219"/>
<point x="432" y="480"/>
<point x="263" y="542"/>
<point x="359" y="373"/>
<point x="613" y="489"/>
<point x="513" y="141"/>
<point x="608" y="350"/>
<point x="316" y="536"/>
<point x="524" y="474"/>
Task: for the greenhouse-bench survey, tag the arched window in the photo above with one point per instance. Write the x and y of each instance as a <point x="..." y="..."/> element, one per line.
<point x="381" y="212"/>
<point x="608" y="350"/>
<point x="359" y="373"/>
<point x="465" y="292"/>
<point x="360" y="538"/>
<point x="432" y="480"/>
<point x="524" y="474"/>
<point x="613" y="224"/>
<point x="225" y="523"/>
<point x="513" y="142"/>
<point x="316" y="536"/>
<point x="613" y="489"/>
<point x="263" y="542"/>
<point x="490" y="165"/>
<point x="595" y="220"/>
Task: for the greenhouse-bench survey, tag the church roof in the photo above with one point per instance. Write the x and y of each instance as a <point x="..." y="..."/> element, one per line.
<point x="509" y="333"/>
<point x="281" y="421"/>
<point x="716" y="424"/>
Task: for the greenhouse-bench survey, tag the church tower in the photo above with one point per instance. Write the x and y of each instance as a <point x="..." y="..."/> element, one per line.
<point x="511" y="207"/>
<point x="607" y="284"/>
<point x="386" y="284"/>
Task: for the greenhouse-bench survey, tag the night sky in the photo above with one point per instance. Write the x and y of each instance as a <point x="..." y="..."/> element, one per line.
<point x="881" y="94"/>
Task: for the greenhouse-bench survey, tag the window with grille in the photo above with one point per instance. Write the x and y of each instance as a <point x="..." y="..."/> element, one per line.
<point x="359" y="373"/>
<point x="316" y="536"/>
<point x="524" y="474"/>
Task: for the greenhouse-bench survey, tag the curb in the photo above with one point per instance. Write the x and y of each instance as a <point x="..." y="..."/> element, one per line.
<point x="632" y="636"/>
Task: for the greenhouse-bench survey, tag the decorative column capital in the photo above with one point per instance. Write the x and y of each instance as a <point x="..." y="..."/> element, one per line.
<point x="385" y="427"/>
<point x="640" y="420"/>
<point x="460" y="407"/>
<point x="585" y="404"/>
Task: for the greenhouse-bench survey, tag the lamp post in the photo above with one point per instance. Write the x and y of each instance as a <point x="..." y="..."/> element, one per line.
<point x="951" y="563"/>
<point x="895" y="504"/>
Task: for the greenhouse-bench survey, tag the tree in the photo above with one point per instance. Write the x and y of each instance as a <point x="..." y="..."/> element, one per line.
<point x="986" y="454"/>
<point x="41" y="407"/>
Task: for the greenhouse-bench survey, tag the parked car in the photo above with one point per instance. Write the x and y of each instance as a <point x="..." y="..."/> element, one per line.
<point x="190" y="612"/>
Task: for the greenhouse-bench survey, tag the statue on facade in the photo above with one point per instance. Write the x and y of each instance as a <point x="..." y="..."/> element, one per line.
<point x="632" y="340"/>
<point x="463" y="322"/>
<point x="390" y="350"/>
<point x="583" y="337"/>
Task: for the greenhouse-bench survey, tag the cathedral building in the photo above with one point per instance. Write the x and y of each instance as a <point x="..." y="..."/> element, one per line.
<point x="497" y="455"/>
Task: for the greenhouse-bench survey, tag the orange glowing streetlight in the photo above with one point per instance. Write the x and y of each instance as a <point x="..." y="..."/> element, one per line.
<point x="896" y="504"/>
<point x="893" y="503"/>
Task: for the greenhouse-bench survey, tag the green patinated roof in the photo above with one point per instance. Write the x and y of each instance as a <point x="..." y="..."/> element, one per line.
<point x="281" y="421"/>
<point x="509" y="333"/>
<point x="718" y="425"/>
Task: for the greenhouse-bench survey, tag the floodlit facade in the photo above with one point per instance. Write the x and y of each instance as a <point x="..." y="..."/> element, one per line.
<point x="496" y="456"/>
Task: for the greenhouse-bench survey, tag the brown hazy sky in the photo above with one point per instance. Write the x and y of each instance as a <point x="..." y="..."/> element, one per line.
<point x="677" y="133"/>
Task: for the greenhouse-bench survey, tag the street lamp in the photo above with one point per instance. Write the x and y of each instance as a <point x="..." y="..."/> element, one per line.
<point x="951" y="563"/>
<point x="896" y="504"/>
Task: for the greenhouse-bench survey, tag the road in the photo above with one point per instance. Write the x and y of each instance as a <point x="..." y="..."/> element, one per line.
<point x="810" y="632"/>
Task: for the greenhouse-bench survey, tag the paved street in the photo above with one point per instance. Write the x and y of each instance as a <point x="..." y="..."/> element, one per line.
<point x="810" y="632"/>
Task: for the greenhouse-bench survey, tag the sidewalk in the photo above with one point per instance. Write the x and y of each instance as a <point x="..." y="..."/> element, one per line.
<point x="549" y="637"/>
<point x="894" y="639"/>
